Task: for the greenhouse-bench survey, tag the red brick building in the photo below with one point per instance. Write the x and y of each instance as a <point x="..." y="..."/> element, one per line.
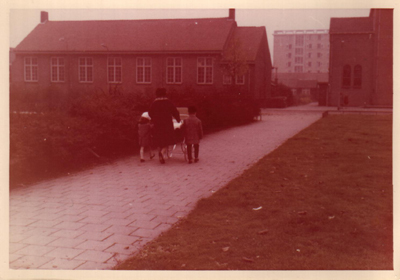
<point x="140" y="56"/>
<point x="361" y="60"/>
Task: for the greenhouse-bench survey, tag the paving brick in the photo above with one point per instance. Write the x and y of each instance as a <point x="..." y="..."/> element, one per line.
<point x="29" y="262"/>
<point x="145" y="224"/>
<point x="39" y="240"/>
<point x="122" y="239"/>
<point x="21" y="222"/>
<point x="18" y="229"/>
<point x="93" y="213"/>
<point x="67" y="233"/>
<point x="41" y="231"/>
<point x="45" y="223"/>
<point x="35" y="250"/>
<point x="94" y="256"/>
<point x="71" y="218"/>
<point x="141" y="217"/>
<point x="46" y="216"/>
<point x="66" y="242"/>
<point x="70" y="225"/>
<point x="14" y="257"/>
<point x="124" y="230"/>
<point x="120" y="222"/>
<point x="95" y="235"/>
<point x="18" y="237"/>
<point x="64" y="253"/>
<point x="94" y="220"/>
<point x="94" y="266"/>
<point x="95" y="245"/>
<point x="64" y="264"/>
<point x="94" y="227"/>
<point x="13" y="247"/>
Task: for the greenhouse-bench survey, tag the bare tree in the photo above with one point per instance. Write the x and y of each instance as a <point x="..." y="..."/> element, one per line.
<point x="235" y="62"/>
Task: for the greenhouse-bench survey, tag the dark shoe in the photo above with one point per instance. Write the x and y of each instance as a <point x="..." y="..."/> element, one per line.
<point x="196" y="160"/>
<point x="190" y="161"/>
<point x="161" y="158"/>
<point x="141" y="160"/>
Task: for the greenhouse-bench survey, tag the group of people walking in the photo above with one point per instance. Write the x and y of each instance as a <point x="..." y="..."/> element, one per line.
<point x="156" y="128"/>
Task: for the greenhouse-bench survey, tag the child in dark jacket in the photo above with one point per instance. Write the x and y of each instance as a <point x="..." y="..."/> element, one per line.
<point x="144" y="131"/>
<point x="193" y="131"/>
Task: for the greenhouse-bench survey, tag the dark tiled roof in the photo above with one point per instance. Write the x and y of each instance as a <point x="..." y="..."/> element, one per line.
<point x="350" y="25"/>
<point x="250" y="38"/>
<point x="184" y="35"/>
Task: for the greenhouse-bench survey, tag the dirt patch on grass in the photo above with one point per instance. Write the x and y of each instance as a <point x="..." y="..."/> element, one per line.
<point x="321" y="201"/>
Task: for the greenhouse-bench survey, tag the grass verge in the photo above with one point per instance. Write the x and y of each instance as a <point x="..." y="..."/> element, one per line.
<point x="326" y="197"/>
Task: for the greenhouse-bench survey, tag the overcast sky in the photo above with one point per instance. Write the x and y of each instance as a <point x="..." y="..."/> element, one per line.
<point x="23" y="21"/>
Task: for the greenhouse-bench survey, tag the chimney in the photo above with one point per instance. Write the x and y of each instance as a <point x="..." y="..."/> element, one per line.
<point x="44" y="16"/>
<point x="232" y="14"/>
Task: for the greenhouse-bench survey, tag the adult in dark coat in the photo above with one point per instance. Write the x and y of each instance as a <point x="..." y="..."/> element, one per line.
<point x="161" y="113"/>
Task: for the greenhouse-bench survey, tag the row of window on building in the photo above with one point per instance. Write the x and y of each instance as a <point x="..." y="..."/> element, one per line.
<point x="308" y="46"/>
<point x="205" y="69"/>
<point x="309" y="55"/>
<point x="309" y="63"/>
<point x="299" y="39"/>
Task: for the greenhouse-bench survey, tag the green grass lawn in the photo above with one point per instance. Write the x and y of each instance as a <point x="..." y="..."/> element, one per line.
<point x="326" y="197"/>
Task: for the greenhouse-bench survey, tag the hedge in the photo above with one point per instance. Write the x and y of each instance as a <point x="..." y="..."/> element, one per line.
<point x="98" y="127"/>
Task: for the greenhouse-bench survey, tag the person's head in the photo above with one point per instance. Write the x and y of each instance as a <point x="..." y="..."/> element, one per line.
<point x="143" y="120"/>
<point x="192" y="110"/>
<point x="161" y="92"/>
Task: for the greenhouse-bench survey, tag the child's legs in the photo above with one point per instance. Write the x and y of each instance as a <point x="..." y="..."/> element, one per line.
<point x="196" y="150"/>
<point x="150" y="150"/>
<point x="189" y="151"/>
<point x="142" y="152"/>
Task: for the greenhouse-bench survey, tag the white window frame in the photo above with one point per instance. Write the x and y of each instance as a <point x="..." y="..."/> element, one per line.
<point x="84" y="67"/>
<point x="115" y="66"/>
<point x="176" y="68"/>
<point x="33" y="68"/>
<point x="208" y="64"/>
<point x="238" y="81"/>
<point x="57" y="77"/>
<point x="143" y="64"/>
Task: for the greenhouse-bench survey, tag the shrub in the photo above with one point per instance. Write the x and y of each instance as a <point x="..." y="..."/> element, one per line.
<point x="54" y="140"/>
<point x="51" y="141"/>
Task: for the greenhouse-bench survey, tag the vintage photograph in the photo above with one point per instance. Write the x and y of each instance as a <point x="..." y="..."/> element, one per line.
<point x="218" y="139"/>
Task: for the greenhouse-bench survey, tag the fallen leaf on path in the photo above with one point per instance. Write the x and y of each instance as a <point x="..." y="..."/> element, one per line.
<point x="331" y="217"/>
<point x="247" y="259"/>
<point x="255" y="209"/>
<point x="265" y="231"/>
<point x="225" y="249"/>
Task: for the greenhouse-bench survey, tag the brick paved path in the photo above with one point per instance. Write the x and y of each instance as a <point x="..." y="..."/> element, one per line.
<point x="93" y="219"/>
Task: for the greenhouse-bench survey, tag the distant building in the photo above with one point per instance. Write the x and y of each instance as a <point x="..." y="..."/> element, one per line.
<point x="140" y="55"/>
<point x="301" y="57"/>
<point x="361" y="60"/>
